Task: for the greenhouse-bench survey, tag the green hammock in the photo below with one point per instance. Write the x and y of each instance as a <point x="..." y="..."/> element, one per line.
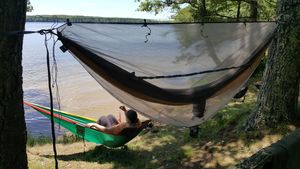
<point x="75" y="124"/>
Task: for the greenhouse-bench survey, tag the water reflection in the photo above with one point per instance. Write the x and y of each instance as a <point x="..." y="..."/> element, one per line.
<point x="37" y="124"/>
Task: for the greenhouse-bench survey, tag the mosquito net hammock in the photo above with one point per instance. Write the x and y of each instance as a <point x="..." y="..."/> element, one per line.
<point x="178" y="74"/>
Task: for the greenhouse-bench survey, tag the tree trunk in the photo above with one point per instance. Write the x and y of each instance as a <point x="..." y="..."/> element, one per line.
<point x="284" y="154"/>
<point x="12" y="121"/>
<point x="238" y="11"/>
<point x="203" y="11"/>
<point x="253" y="10"/>
<point x="277" y="100"/>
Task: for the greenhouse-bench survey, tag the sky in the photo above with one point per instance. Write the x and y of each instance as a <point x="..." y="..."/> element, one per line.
<point x="102" y="8"/>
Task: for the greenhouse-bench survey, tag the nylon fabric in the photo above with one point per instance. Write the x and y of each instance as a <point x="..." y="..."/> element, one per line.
<point x="74" y="124"/>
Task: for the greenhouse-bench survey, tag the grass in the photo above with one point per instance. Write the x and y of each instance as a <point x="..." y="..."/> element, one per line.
<point x="34" y="141"/>
<point x="42" y="140"/>
<point x="221" y="144"/>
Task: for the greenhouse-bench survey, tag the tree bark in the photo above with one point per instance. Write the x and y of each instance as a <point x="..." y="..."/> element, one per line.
<point x="284" y="154"/>
<point x="203" y="11"/>
<point x="238" y="11"/>
<point x="253" y="10"/>
<point x="277" y="100"/>
<point x="12" y="121"/>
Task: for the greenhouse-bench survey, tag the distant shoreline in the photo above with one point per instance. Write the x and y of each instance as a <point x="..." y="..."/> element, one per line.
<point x="84" y="19"/>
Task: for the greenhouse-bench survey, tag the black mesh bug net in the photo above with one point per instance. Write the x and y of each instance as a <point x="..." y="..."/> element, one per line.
<point x="179" y="74"/>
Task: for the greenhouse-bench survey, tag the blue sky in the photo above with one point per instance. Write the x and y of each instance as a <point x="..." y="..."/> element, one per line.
<point x="103" y="8"/>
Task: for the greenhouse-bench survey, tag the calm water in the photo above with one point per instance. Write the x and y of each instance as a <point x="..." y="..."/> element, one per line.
<point x="79" y="93"/>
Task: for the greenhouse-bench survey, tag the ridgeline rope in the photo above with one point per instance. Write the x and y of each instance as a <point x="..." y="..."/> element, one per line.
<point x="191" y="74"/>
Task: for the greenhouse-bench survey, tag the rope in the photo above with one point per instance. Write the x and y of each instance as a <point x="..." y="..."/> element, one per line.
<point x="22" y="32"/>
<point x="51" y="97"/>
<point x="55" y="76"/>
<point x="11" y="33"/>
<point x="45" y="32"/>
<point x="191" y="74"/>
<point x="149" y="33"/>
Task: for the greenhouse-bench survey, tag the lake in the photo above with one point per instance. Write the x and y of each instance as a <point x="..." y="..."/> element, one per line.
<point x="79" y="92"/>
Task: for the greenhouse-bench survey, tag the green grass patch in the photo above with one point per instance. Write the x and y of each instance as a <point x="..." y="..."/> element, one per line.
<point x="42" y="140"/>
<point x="229" y="119"/>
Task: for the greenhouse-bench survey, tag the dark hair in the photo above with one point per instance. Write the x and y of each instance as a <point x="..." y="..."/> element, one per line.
<point x="131" y="116"/>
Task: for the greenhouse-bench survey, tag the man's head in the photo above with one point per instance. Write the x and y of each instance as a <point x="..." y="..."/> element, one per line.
<point x="131" y="116"/>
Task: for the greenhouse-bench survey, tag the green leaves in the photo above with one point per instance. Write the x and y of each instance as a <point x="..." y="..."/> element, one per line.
<point x="213" y="10"/>
<point x="29" y="6"/>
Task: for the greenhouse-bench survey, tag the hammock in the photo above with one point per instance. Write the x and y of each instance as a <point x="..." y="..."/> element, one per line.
<point x="179" y="74"/>
<point x="75" y="124"/>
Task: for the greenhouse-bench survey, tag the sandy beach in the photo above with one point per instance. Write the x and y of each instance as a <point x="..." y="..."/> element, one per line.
<point x="92" y="101"/>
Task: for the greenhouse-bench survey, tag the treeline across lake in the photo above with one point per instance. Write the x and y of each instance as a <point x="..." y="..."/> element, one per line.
<point x="91" y="19"/>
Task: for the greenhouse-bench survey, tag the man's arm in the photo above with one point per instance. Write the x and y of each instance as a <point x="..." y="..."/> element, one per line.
<point x="97" y="127"/>
<point x="123" y="108"/>
<point x="116" y="129"/>
<point x="120" y="116"/>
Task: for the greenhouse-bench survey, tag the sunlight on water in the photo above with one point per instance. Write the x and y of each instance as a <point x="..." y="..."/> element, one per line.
<point x="79" y="92"/>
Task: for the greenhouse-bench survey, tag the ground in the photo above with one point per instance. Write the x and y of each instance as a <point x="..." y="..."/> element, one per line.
<point x="165" y="148"/>
<point x="221" y="144"/>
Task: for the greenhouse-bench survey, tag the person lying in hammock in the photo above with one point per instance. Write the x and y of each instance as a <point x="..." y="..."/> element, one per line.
<point x="110" y="125"/>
